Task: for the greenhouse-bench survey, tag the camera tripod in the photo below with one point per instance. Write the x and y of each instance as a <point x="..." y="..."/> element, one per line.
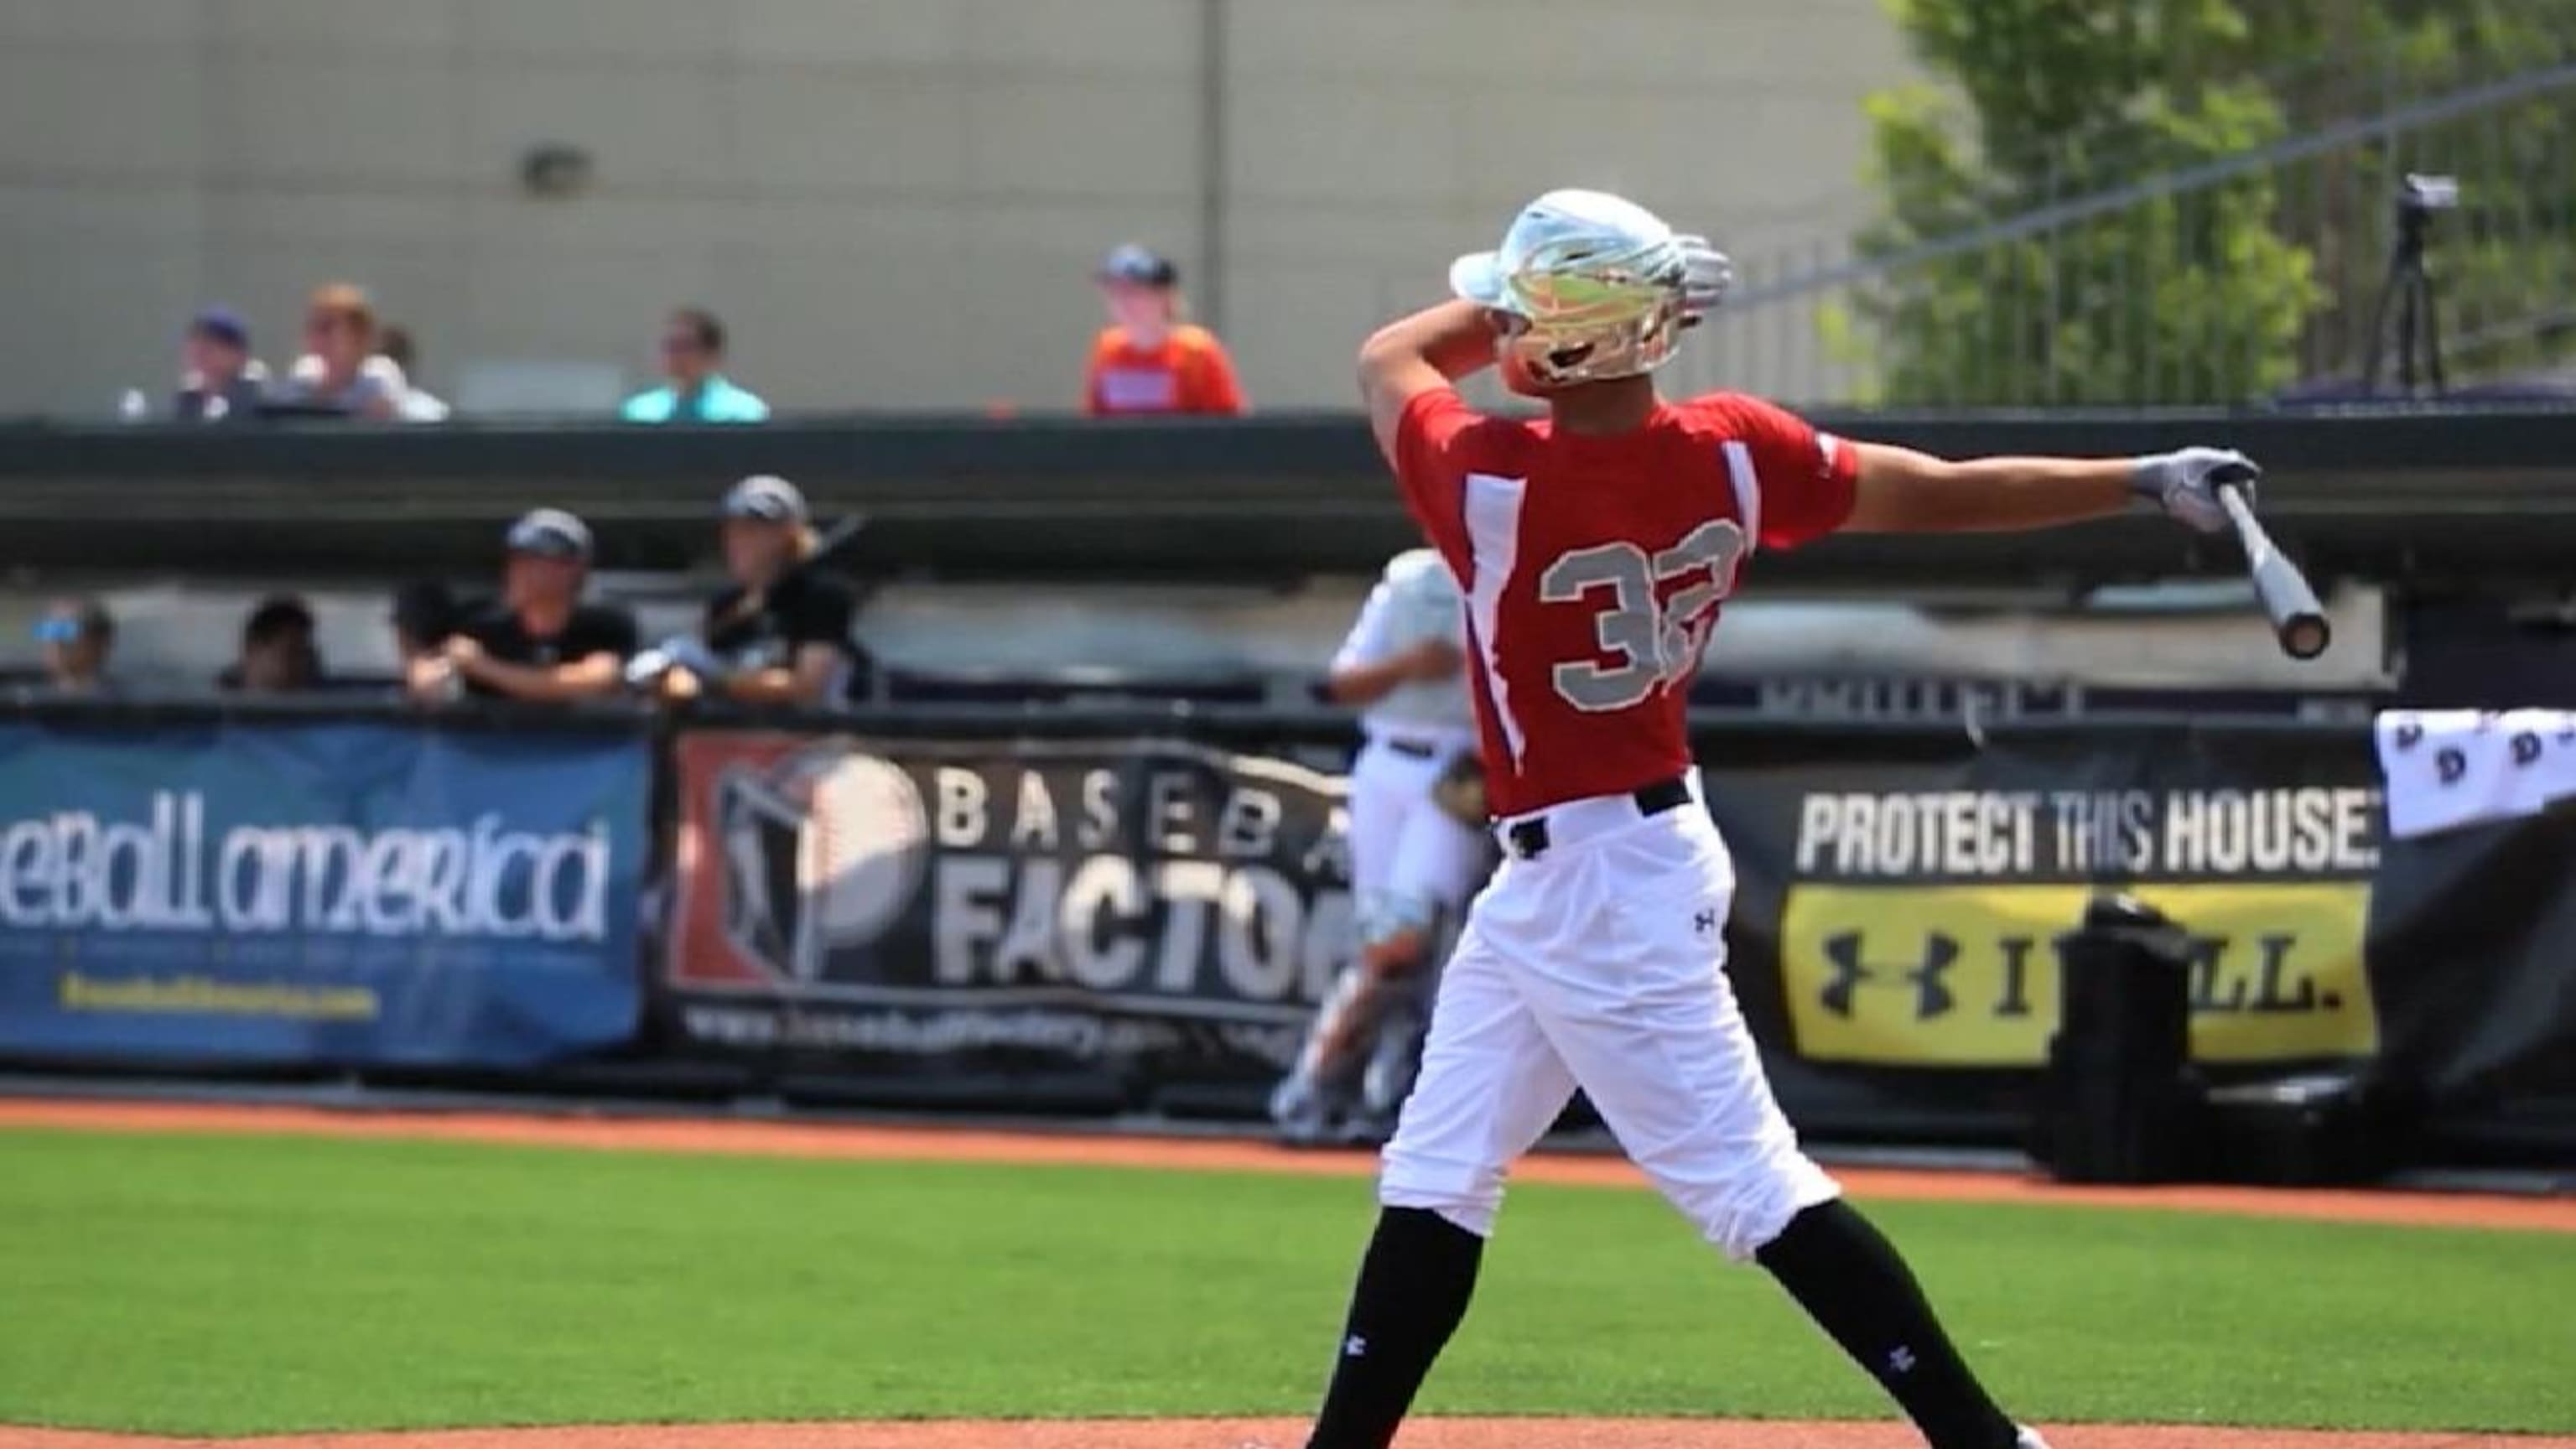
<point x="2409" y="290"/>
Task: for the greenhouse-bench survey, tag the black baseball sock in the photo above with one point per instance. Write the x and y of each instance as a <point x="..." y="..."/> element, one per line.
<point x="1850" y="1279"/>
<point x="1414" y="1285"/>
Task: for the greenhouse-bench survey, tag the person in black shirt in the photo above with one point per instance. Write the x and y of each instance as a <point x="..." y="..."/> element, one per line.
<point x="780" y="635"/>
<point x="278" y="655"/>
<point x="539" y="642"/>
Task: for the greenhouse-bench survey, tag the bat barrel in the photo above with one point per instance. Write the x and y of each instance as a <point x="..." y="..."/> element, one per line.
<point x="2298" y="620"/>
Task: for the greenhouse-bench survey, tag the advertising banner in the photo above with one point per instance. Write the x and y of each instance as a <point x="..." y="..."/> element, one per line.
<point x="298" y="892"/>
<point x="1907" y="911"/>
<point x="1131" y="906"/>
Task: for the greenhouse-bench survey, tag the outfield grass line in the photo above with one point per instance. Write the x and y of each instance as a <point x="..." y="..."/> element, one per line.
<point x="1423" y="1433"/>
<point x="934" y="1144"/>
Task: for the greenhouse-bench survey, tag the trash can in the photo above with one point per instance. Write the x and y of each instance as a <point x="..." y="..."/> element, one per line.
<point x="2120" y="1101"/>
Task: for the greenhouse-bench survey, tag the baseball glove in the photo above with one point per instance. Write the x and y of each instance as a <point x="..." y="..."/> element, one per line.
<point x="1460" y="791"/>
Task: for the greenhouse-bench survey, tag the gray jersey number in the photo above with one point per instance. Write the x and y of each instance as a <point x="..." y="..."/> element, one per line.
<point x="1656" y="643"/>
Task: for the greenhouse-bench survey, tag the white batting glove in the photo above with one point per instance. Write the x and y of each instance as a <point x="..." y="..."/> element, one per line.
<point x="1707" y="276"/>
<point x="2185" y="483"/>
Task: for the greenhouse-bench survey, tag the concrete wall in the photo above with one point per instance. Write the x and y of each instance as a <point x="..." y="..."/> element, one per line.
<point x="895" y="203"/>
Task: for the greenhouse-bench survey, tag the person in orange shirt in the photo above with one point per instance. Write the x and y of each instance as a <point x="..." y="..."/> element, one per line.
<point x="1148" y="360"/>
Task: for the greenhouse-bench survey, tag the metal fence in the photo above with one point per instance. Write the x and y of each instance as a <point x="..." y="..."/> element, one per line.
<point x="2257" y="276"/>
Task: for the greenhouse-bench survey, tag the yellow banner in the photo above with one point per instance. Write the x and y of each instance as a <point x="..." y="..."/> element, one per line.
<point x="1966" y="975"/>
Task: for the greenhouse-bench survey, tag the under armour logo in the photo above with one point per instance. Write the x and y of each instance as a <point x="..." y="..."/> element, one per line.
<point x="1354" y="1347"/>
<point x="1901" y="1361"/>
<point x="1931" y="993"/>
<point x="1704" y="922"/>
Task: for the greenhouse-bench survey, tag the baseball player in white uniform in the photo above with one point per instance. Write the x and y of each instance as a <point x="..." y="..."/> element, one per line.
<point x="1413" y="864"/>
<point x="1596" y="547"/>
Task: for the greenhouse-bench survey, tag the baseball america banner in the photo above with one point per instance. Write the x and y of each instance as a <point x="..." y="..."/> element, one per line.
<point x="1150" y="910"/>
<point x="1905" y="910"/>
<point x="295" y="892"/>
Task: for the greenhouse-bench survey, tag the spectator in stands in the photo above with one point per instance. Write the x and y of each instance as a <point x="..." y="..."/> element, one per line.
<point x="418" y="404"/>
<point x="219" y="381"/>
<point x="780" y="633"/>
<point x="278" y="655"/>
<point x="1148" y="360"/>
<point x="78" y="635"/>
<point x="424" y="616"/>
<point x="693" y="353"/>
<point x="341" y="370"/>
<point x="539" y="642"/>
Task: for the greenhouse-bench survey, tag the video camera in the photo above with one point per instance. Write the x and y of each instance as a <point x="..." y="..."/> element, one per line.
<point x="2419" y="193"/>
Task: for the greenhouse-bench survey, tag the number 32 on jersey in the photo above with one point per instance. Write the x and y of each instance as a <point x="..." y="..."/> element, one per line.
<point x="1654" y="637"/>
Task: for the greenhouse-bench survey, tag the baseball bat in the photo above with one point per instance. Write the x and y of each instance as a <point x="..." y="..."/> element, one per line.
<point x="2297" y="619"/>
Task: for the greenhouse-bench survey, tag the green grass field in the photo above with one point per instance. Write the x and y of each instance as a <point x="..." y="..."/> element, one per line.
<point x="227" y="1285"/>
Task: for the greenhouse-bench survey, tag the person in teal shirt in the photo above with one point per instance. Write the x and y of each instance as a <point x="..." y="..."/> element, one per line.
<point x="693" y="345"/>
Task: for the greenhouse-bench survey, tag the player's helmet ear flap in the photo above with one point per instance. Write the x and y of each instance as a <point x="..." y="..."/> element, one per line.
<point x="1600" y="287"/>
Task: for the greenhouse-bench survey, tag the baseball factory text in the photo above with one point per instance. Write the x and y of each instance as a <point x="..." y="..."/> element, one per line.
<point x="1200" y="880"/>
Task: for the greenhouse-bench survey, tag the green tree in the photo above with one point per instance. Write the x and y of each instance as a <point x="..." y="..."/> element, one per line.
<point x="2225" y="291"/>
<point x="2506" y="261"/>
<point x="2183" y="299"/>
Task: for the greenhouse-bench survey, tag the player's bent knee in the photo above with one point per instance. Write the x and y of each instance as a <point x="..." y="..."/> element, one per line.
<point x="1391" y="916"/>
<point x="1740" y="1213"/>
<point x="1469" y="1197"/>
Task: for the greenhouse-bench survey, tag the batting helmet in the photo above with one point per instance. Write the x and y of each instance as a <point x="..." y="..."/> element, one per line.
<point x="1593" y="286"/>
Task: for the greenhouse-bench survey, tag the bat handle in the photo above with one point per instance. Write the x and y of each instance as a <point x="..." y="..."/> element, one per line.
<point x="2231" y="496"/>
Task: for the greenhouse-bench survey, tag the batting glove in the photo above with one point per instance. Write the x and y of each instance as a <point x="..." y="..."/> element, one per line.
<point x="2185" y="484"/>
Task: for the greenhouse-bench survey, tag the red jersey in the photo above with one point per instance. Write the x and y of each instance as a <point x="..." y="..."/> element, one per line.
<point x="1594" y="567"/>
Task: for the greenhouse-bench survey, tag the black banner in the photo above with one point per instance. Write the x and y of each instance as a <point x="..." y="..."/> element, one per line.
<point x="1149" y="911"/>
<point x="1159" y="918"/>
<point x="1901" y="907"/>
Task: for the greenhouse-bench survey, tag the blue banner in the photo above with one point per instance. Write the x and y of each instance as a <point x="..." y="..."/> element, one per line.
<point x="341" y="893"/>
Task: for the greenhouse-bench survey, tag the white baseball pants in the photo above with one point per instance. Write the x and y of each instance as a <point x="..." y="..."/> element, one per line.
<point x="1601" y="963"/>
<point x="1410" y="860"/>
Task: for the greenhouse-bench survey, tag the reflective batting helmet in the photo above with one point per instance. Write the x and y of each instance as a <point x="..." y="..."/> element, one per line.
<point x="1594" y="286"/>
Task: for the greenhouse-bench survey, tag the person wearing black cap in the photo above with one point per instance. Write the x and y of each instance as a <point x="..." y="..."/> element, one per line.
<point x="539" y="642"/>
<point x="278" y="655"/>
<point x="1147" y="360"/>
<point x="780" y="633"/>
<point x="219" y="381"/>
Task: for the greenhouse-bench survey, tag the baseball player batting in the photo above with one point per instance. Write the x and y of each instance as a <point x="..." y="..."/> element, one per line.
<point x="1412" y="862"/>
<point x="1596" y="547"/>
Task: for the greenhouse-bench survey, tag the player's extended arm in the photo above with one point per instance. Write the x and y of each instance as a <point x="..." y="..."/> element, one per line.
<point x="1902" y="491"/>
<point x="1412" y="355"/>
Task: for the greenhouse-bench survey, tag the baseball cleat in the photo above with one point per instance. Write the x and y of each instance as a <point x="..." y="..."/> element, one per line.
<point x="2029" y="1439"/>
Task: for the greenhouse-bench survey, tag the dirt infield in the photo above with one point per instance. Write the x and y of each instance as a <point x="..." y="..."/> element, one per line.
<point x="932" y="1144"/>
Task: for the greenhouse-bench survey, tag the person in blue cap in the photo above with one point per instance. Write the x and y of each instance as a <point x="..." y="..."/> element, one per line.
<point x="219" y="381"/>
<point x="540" y="642"/>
